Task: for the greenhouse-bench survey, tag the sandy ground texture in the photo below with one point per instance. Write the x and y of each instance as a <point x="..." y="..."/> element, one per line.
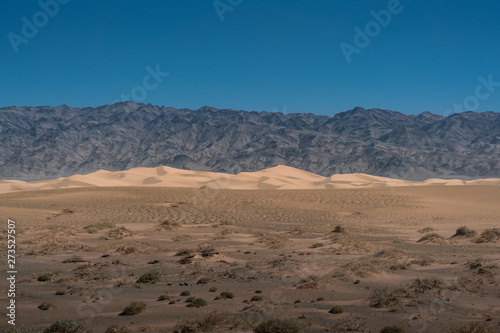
<point x="206" y="260"/>
<point x="279" y="177"/>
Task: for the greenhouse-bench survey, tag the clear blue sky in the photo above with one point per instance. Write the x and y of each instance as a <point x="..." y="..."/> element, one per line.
<point x="264" y="55"/>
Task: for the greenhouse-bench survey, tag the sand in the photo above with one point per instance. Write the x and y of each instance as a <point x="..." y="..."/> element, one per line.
<point x="384" y="267"/>
<point x="279" y="177"/>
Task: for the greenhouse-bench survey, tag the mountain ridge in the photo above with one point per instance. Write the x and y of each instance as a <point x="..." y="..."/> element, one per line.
<point x="47" y="142"/>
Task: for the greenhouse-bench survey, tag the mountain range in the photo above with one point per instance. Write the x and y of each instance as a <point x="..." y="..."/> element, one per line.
<point x="48" y="142"/>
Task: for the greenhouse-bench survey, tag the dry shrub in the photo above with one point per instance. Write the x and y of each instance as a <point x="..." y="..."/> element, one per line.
<point x="432" y="238"/>
<point x="167" y="225"/>
<point x="67" y="326"/>
<point x="463" y="231"/>
<point x="311" y="282"/>
<point x="225" y="295"/>
<point x="46" y="306"/>
<point x="118" y="233"/>
<point x="152" y="276"/>
<point x="473" y="327"/>
<point x="392" y="329"/>
<point x="197" y="303"/>
<point x="93" y="228"/>
<point x="133" y="308"/>
<point x="405" y="295"/>
<point x="182" y="238"/>
<point x="426" y="230"/>
<point x="207" y="251"/>
<point x="423" y="261"/>
<point x="74" y="259"/>
<point x="115" y="328"/>
<point x="278" y="326"/>
<point x="209" y="322"/>
<point x="489" y="236"/>
<point x="273" y="241"/>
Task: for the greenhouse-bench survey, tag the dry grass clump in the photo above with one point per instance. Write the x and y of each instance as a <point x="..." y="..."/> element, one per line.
<point x="473" y="327"/>
<point x="426" y="230"/>
<point x="464" y="231"/>
<point x="152" y="277"/>
<point x="74" y="259"/>
<point x="207" y="251"/>
<point x="336" y="310"/>
<point x="168" y="225"/>
<point x="311" y="282"/>
<point x="278" y="326"/>
<point x="115" y="328"/>
<point x="93" y="228"/>
<point x="46" y="306"/>
<point x="392" y="329"/>
<point x="339" y="229"/>
<point x="404" y="295"/>
<point x="225" y="295"/>
<point x="432" y="238"/>
<point x="118" y="233"/>
<point x="197" y="303"/>
<point x="209" y="322"/>
<point x="423" y="261"/>
<point x="182" y="238"/>
<point x="489" y="236"/>
<point x="44" y="277"/>
<point x="273" y="241"/>
<point x="67" y="326"/>
<point x="133" y="309"/>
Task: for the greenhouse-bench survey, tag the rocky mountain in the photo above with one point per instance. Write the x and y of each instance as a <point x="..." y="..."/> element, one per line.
<point x="47" y="142"/>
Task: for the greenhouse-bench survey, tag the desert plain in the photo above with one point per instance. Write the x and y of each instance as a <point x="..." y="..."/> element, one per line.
<point x="223" y="255"/>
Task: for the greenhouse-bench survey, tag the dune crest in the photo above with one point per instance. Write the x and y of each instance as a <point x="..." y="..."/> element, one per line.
<point x="278" y="177"/>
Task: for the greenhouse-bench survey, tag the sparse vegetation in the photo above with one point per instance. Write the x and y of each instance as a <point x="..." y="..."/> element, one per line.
<point x="316" y="245"/>
<point x="336" y="310"/>
<point x="431" y="238"/>
<point x="338" y="229"/>
<point x="93" y="228"/>
<point x="489" y="236"/>
<point x="278" y="326"/>
<point x="118" y="233"/>
<point x="392" y="329"/>
<point x="186" y="293"/>
<point x="74" y="259"/>
<point x="464" y="232"/>
<point x="225" y="295"/>
<point x="168" y="225"/>
<point x="426" y="230"/>
<point x="44" y="277"/>
<point x="473" y="327"/>
<point x="204" y="280"/>
<point x="67" y="326"/>
<point x="197" y="303"/>
<point x="134" y="308"/>
<point x="212" y="289"/>
<point x="152" y="276"/>
<point x="256" y="298"/>
<point x="46" y="306"/>
<point x="115" y="328"/>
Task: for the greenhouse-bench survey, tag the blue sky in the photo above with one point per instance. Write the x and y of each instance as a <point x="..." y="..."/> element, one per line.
<point x="280" y="55"/>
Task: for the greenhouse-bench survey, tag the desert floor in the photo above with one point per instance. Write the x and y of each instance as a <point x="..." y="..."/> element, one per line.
<point x="386" y="256"/>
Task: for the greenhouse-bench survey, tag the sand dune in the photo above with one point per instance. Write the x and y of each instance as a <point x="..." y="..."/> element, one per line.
<point x="279" y="177"/>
